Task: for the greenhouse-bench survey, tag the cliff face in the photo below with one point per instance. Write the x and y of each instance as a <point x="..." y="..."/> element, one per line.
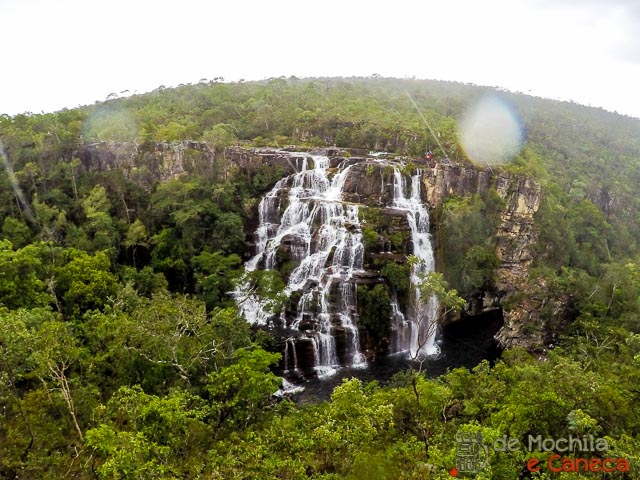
<point x="149" y="165"/>
<point x="515" y="233"/>
<point x="370" y="184"/>
<point x="529" y="315"/>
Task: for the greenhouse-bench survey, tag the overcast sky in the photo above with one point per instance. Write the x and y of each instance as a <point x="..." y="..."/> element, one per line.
<point x="73" y="52"/>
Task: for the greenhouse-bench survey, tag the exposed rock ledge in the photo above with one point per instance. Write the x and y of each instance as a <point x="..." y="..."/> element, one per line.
<point x="516" y="233"/>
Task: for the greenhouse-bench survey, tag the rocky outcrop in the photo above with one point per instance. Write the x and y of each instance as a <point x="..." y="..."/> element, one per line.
<point x="369" y="183"/>
<point x="150" y="164"/>
<point x="445" y="178"/>
<point x="535" y="317"/>
<point x="252" y="160"/>
<point x="109" y="156"/>
<point x="531" y="318"/>
<point x="147" y="165"/>
<point x="516" y="235"/>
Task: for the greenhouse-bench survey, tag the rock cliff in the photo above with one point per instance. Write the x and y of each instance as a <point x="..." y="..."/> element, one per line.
<point x="149" y="164"/>
<point x="370" y="184"/>
<point x="522" y="299"/>
<point x="516" y="234"/>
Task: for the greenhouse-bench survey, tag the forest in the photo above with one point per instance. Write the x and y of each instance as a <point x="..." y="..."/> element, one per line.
<point x="123" y="355"/>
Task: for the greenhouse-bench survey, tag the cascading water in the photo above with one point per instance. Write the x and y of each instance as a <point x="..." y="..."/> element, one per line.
<point x="305" y="224"/>
<point x="325" y="240"/>
<point x="401" y="328"/>
<point x="420" y="331"/>
<point x="290" y="356"/>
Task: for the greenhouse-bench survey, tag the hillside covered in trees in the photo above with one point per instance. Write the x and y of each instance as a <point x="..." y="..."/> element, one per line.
<point x="122" y="354"/>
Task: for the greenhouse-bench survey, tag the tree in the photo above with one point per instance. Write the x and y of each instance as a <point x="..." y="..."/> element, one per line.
<point x="172" y="331"/>
<point x="111" y="123"/>
<point x="16" y="232"/>
<point x="439" y="297"/>
<point x="15" y="365"/>
<point x="240" y="392"/>
<point x="354" y="420"/>
<point x="220" y="136"/>
<point x="136" y="237"/>
<point x="146" y="436"/>
<point x="52" y="220"/>
<point x="99" y="222"/>
<point x="468" y="237"/>
<point x="216" y="275"/>
<point x="22" y="275"/>
<point x="84" y="281"/>
<point x="266" y="287"/>
<point x="374" y="310"/>
<point x="55" y="350"/>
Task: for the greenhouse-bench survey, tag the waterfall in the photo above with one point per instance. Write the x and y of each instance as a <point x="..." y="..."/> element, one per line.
<point x="325" y="239"/>
<point x="290" y="359"/>
<point x="401" y="328"/>
<point x="423" y="312"/>
<point x="304" y="221"/>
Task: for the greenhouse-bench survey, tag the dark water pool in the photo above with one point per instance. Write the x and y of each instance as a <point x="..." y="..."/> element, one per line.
<point x="464" y="343"/>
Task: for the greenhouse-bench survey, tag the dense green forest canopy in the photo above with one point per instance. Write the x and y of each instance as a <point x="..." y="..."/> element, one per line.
<point x="123" y="356"/>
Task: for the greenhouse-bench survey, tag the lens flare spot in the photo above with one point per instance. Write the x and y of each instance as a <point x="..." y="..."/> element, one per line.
<point x="491" y="131"/>
<point x="110" y="123"/>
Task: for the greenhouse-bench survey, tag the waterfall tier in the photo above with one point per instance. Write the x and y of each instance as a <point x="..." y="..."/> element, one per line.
<point x="423" y="311"/>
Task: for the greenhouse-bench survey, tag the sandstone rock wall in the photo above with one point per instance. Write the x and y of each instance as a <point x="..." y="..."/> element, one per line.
<point x="516" y="233"/>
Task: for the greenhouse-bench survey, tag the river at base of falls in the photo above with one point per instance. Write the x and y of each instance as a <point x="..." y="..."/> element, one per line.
<point x="464" y="343"/>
